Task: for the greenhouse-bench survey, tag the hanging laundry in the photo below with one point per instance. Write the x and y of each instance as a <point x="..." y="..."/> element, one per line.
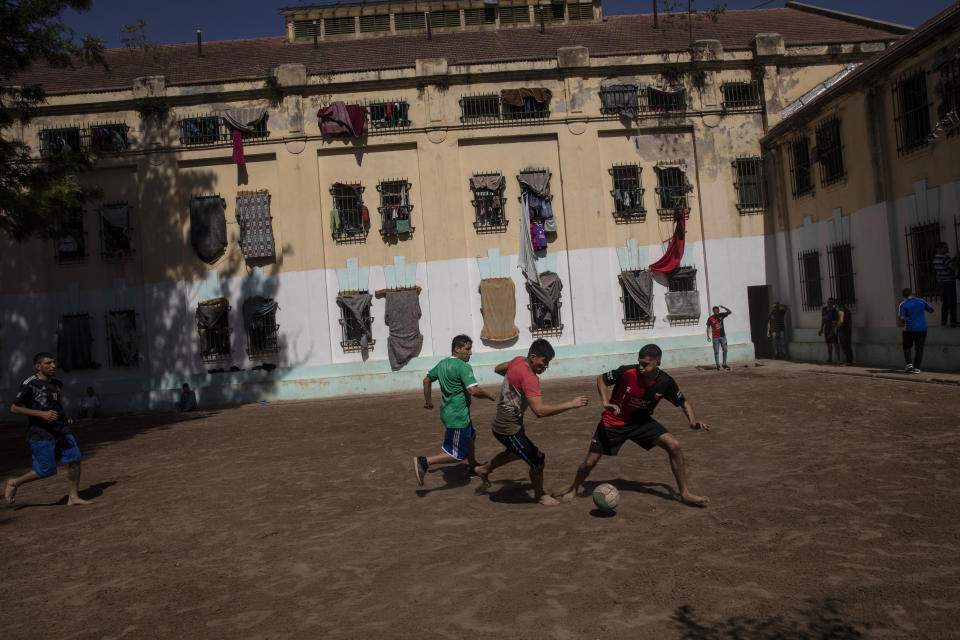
<point x="208" y="227"/>
<point x="237" y="138"/>
<point x="335" y="119"/>
<point x="639" y="286"/>
<point x="402" y="315"/>
<point x="498" y="305"/>
<point x="256" y="225"/>
<point x="527" y="260"/>
<point x="334" y="221"/>
<point x="674" y="254"/>
<point x="358" y="120"/>
<point x="365" y="213"/>
<point x="539" y="237"/>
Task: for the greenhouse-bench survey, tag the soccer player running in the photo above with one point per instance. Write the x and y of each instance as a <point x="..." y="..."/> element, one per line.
<point x="48" y="433"/>
<point x="521" y="388"/>
<point x="628" y="415"/>
<point x="457" y="386"/>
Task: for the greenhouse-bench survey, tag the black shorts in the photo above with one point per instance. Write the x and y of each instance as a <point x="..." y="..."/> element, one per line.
<point x="520" y="444"/>
<point x="608" y="440"/>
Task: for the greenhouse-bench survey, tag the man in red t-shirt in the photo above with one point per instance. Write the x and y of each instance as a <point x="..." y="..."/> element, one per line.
<point x="521" y="388"/>
<point x="628" y="415"/>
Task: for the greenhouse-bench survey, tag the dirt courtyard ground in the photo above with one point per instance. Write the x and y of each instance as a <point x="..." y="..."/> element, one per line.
<point x="834" y="514"/>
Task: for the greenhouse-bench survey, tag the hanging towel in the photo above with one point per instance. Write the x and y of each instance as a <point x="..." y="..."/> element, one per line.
<point x="402" y="316"/>
<point x="498" y="304"/>
<point x="527" y="260"/>
<point x="639" y="286"/>
<point x="358" y="307"/>
<point x="358" y="120"/>
<point x="683" y="304"/>
<point x="671" y="259"/>
<point x="403" y="225"/>
<point x="256" y="225"/>
<point x="335" y="119"/>
<point x="237" y="138"/>
<point x="208" y="227"/>
<point x="243" y="120"/>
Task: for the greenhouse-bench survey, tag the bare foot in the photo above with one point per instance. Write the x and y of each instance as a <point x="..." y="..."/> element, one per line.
<point x="548" y="500"/>
<point x="568" y="496"/>
<point x="689" y="498"/>
<point x="10" y="492"/>
<point x="77" y="500"/>
<point x="483" y="475"/>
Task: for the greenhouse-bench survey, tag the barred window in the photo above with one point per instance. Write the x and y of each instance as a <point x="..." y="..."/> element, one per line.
<point x="800" y="179"/>
<point x="480" y="15"/>
<point x="840" y="262"/>
<point x="445" y="18"/>
<point x="683" y="279"/>
<point x="395" y="207"/>
<point x="949" y="108"/>
<point x="488" y="202"/>
<point x="663" y="100"/>
<point x="480" y="108"/>
<point x="260" y="324"/>
<point x="619" y="99"/>
<point x="109" y="137"/>
<point x="115" y="231"/>
<point x="412" y="20"/>
<point x="57" y="141"/>
<point x="750" y="185"/>
<point x="352" y="329"/>
<point x="213" y="326"/>
<point x="514" y="15"/>
<point x="921" y="248"/>
<point x="627" y="193"/>
<point x="544" y="319"/>
<point x="391" y="114"/>
<point x="672" y="189"/>
<point x="911" y="112"/>
<point x="810" y="285"/>
<point x="830" y="152"/>
<point x="200" y="130"/>
<point x="123" y="348"/>
<point x="379" y="22"/>
<point x="740" y="95"/>
<point x="71" y="239"/>
<point x="337" y="26"/>
<point x="634" y="317"/>
<point x="349" y="217"/>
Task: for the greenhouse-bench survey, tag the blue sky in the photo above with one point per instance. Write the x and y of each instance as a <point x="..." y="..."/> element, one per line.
<point x="175" y="21"/>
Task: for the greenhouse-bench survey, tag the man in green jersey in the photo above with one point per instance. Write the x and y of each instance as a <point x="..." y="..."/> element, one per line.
<point x="457" y="384"/>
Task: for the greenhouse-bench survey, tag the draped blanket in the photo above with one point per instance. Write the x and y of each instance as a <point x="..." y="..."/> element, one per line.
<point x="256" y="312"/>
<point x="357" y="308"/>
<point x="498" y="304"/>
<point x="210" y="312"/>
<point x="403" y="317"/>
<point x="515" y="97"/>
<point x="674" y="254"/>
<point x="256" y="225"/>
<point x="208" y="227"/>
<point x="122" y="335"/>
<point x="683" y="304"/>
<point x="640" y="289"/>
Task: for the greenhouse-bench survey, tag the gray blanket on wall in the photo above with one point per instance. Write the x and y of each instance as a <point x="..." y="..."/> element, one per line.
<point x="683" y="304"/>
<point x="549" y="289"/>
<point x="208" y="227"/>
<point x="358" y="307"/>
<point x="403" y="318"/>
<point x="254" y="311"/>
<point x="209" y="314"/>
<point x="640" y="289"/>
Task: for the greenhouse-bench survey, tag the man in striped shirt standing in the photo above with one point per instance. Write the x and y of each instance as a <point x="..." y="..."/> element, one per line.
<point x="946" y="269"/>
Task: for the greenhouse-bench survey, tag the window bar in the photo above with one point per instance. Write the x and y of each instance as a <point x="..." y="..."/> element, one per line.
<point x="672" y="189"/>
<point x="911" y="112"/>
<point x="389" y="115"/>
<point x="627" y="193"/>
<point x="830" y="151"/>
<point x="480" y="108"/>
<point x="740" y="95"/>
<point x="921" y="248"/>
<point x="800" y="179"/>
<point x="544" y="320"/>
<point x="263" y="339"/>
<point x="348" y="202"/>
<point x="487" y="217"/>
<point x="810" y="286"/>
<point x="750" y="185"/>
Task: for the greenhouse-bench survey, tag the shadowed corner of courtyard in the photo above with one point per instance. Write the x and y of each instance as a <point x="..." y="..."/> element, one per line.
<point x="815" y="620"/>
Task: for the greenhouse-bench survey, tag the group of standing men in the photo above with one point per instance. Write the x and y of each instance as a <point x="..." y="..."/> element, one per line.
<point x="628" y="394"/>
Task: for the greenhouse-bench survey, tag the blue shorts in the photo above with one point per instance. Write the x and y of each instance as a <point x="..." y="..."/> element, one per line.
<point x="456" y="442"/>
<point x="48" y="453"/>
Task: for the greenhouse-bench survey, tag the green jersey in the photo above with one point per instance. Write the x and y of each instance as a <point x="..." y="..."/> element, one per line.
<point x="455" y="376"/>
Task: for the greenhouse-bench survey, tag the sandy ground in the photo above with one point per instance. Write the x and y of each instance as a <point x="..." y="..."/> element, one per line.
<point x="834" y="513"/>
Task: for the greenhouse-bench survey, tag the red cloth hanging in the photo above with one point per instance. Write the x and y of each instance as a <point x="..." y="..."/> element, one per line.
<point x="674" y="254"/>
<point x="237" y="137"/>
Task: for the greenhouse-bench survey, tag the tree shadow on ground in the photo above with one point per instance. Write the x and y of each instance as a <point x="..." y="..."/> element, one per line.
<point x="817" y="620"/>
<point x="454" y="477"/>
<point x="91" y="436"/>
<point x="90" y="493"/>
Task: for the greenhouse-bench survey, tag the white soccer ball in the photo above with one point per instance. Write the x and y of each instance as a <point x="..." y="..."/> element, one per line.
<point x="606" y="497"/>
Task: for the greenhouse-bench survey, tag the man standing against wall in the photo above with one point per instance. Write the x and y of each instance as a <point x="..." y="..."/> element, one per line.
<point x="945" y="267"/>
<point x="829" y="318"/>
<point x="911" y="313"/>
<point x="845" y="332"/>
<point x="777" y="329"/>
<point x="718" y="335"/>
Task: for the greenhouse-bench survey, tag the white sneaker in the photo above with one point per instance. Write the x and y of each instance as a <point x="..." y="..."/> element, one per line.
<point x="908" y="368"/>
<point x="916" y="371"/>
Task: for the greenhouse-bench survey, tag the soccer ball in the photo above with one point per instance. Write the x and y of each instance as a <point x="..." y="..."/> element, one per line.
<point x="606" y="497"/>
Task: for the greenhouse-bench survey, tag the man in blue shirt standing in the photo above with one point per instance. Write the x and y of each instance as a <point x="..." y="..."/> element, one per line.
<point x="911" y="312"/>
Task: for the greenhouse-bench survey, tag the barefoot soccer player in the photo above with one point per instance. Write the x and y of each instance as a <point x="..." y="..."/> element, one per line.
<point x="521" y="388"/>
<point x="457" y="385"/>
<point x="628" y="415"/>
<point x="48" y="434"/>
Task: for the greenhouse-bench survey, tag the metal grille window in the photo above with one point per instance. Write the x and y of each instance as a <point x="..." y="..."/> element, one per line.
<point x="338" y="26"/>
<point x="488" y="203"/>
<point x="123" y="348"/>
<point x="665" y="101"/>
<point x="810" y="285"/>
<point x="352" y="330"/>
<point x="921" y="247"/>
<point x="740" y="95"/>
<point x="446" y="18"/>
<point x="263" y="332"/>
<point x="684" y="279"/>
<point x="800" y="179"/>
<point x="200" y="130"/>
<point x="672" y="189"/>
<point x="395" y="207"/>
<point x="109" y="137"/>
<point x="259" y="131"/>
<point x="580" y="11"/>
<point x="634" y="317"/>
<point x="531" y="110"/>
<point x="544" y="319"/>
<point x="830" y="152"/>
<point x="618" y="99"/>
<point x="71" y="240"/>
<point x="390" y="114"/>
<point x="627" y="193"/>
<point x="750" y="185"/>
<point x="215" y="338"/>
<point x="484" y="108"/>
<point x="305" y="28"/>
<point x="405" y="21"/>
<point x="950" y="95"/>
<point x="840" y="263"/>
<point x="480" y="15"/>
<point x="349" y="220"/>
<point x="375" y="23"/>
<point x="514" y="15"/>
<point x="115" y="231"/>
<point x="911" y="112"/>
<point x="57" y="141"/>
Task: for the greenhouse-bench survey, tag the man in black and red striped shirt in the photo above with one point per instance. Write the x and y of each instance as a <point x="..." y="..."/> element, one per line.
<point x="628" y="415"/>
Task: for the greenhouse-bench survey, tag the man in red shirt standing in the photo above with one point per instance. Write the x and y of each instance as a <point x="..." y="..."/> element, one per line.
<point x="719" y="335"/>
<point x="521" y="388"/>
<point x="628" y="415"/>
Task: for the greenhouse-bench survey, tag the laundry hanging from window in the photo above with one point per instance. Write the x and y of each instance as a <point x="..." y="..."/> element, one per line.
<point x="498" y="305"/>
<point x="488" y="197"/>
<point x="526" y="102"/>
<point x="547" y="294"/>
<point x="356" y="307"/>
<point x="208" y="227"/>
<point x="674" y="253"/>
<point x="124" y="341"/>
<point x="241" y="121"/>
<point x="402" y="316"/>
<point x="256" y="225"/>
<point x="349" y="214"/>
<point x="620" y="99"/>
<point x="259" y="322"/>
<point x="639" y="286"/>
<point x="340" y="119"/>
<point x="115" y="230"/>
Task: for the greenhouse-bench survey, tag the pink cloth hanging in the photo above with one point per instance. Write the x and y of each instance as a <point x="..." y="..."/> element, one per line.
<point x="237" y="137"/>
<point x="671" y="259"/>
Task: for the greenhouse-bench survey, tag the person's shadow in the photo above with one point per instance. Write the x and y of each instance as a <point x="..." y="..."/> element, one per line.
<point x="454" y="477"/>
<point x="90" y="493"/>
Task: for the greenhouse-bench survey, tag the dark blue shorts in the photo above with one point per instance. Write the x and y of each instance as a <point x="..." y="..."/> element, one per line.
<point x="48" y="453"/>
<point x="520" y="445"/>
<point x="456" y="442"/>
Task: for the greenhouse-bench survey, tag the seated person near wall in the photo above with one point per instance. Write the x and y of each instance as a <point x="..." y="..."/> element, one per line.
<point x="188" y="399"/>
<point x="89" y="405"/>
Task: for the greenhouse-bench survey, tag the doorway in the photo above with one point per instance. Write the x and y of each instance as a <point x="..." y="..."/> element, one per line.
<point x="758" y="302"/>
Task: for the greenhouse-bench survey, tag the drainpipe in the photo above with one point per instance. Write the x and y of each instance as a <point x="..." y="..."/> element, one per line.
<point x="199" y="44"/>
<point x="655" y="17"/>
